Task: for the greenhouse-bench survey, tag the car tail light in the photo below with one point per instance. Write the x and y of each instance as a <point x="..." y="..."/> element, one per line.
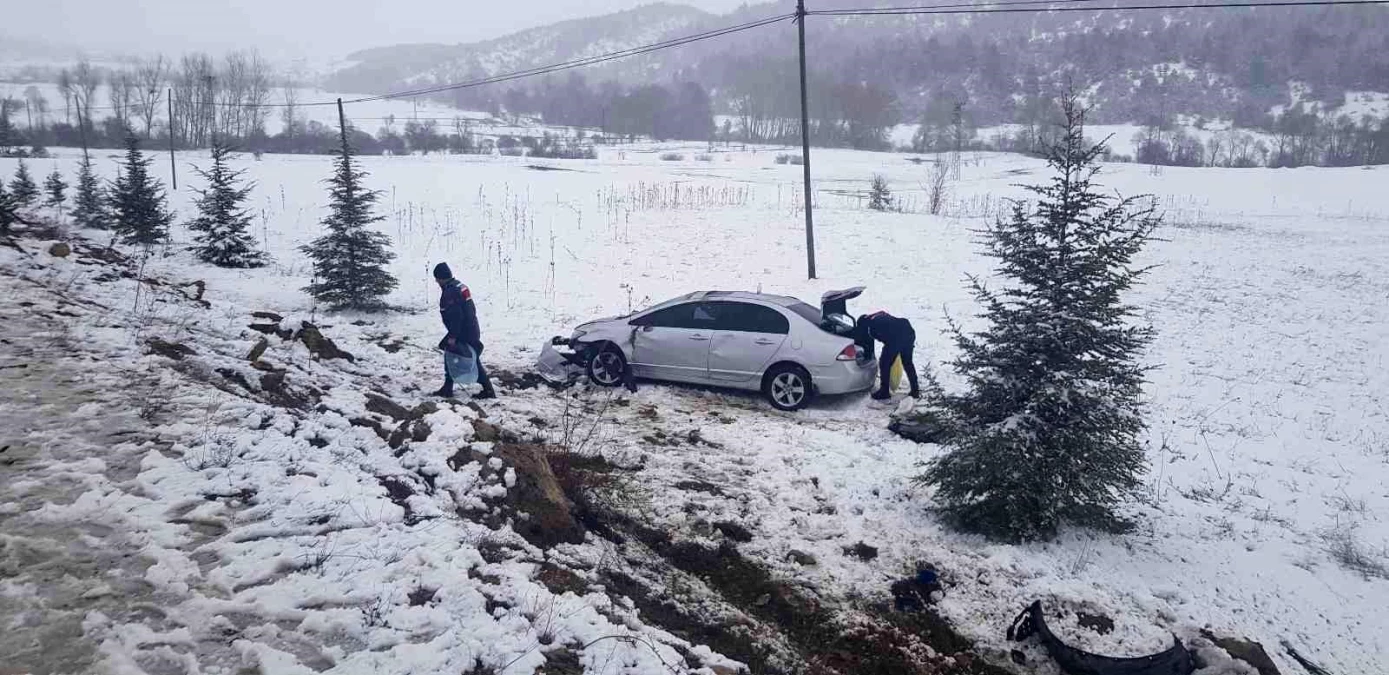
<point x="850" y="353"/>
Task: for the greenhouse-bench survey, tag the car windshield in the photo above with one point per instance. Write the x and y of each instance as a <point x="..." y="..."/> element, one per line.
<point x="809" y="313"/>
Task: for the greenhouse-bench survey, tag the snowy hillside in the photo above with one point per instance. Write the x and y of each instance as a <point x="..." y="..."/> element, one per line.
<point x="406" y="66"/>
<point x="189" y="511"/>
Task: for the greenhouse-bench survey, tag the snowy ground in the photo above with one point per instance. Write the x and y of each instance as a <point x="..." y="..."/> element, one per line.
<point x="1269" y="442"/>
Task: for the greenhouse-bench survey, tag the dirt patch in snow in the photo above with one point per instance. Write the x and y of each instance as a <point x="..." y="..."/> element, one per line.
<point x="822" y="638"/>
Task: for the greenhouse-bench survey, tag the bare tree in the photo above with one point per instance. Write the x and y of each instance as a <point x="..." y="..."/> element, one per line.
<point x="936" y="191"/>
<point x="38" y="105"/>
<point x="1215" y="145"/>
<point x="151" y="76"/>
<point x="65" y="88"/>
<point x="230" y="93"/>
<point x="86" y="80"/>
<point x="121" y="91"/>
<point x="258" y="83"/>
<point x="194" y="99"/>
<point x="289" y="115"/>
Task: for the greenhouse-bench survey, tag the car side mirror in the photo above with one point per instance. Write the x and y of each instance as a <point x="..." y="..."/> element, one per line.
<point x="648" y="328"/>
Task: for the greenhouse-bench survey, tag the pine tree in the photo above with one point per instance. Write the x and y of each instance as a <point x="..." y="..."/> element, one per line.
<point x="879" y="196"/>
<point x="57" y="190"/>
<point x="223" y="225"/>
<point x="1048" y="429"/>
<point x="22" y="189"/>
<point x="137" y="200"/>
<point x="89" y="205"/>
<point x="349" y="261"/>
<point x="9" y="211"/>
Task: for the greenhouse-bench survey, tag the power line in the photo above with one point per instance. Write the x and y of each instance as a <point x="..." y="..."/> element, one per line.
<point x="963" y="5"/>
<point x="1002" y="8"/>
<point x="578" y="63"/>
<point x="516" y="75"/>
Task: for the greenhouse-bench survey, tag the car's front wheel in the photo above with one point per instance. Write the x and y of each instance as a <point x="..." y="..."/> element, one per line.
<point x="606" y="367"/>
<point x="787" y="387"/>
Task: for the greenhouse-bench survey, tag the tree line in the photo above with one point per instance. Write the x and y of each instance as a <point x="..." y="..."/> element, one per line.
<point x="1295" y="137"/>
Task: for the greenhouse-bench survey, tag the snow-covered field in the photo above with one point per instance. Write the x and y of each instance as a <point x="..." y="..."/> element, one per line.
<point x="1266" y="511"/>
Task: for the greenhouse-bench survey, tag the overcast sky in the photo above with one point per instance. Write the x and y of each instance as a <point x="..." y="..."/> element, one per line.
<point x="315" y="29"/>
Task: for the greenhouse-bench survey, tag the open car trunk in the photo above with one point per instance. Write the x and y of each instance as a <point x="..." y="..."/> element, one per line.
<point x="834" y="310"/>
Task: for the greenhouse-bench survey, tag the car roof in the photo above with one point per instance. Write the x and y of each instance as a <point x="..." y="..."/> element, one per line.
<point x="779" y="300"/>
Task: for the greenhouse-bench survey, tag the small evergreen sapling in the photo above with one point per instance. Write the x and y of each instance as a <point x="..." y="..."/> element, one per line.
<point x="56" y="190"/>
<point x="89" y="204"/>
<point x="349" y="262"/>
<point x="879" y="196"/>
<point x="223" y="226"/>
<point x="1048" y="429"/>
<point x="22" y="189"/>
<point x="137" y="200"/>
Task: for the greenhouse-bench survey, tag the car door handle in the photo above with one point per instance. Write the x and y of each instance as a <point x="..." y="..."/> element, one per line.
<point x="765" y="341"/>
<point x="698" y="337"/>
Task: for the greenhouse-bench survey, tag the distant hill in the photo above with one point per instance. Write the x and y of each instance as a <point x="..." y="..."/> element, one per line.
<point x="1234" y="63"/>
<point x="404" y="66"/>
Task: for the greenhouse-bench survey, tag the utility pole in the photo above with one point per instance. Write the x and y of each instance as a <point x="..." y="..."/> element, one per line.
<point x="805" y="150"/>
<point x="342" y="124"/>
<point x="82" y="131"/>
<point x="173" y="170"/>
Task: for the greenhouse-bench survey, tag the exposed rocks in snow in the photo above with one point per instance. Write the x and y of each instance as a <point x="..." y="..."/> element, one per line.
<point x="320" y="345"/>
<point x="381" y="405"/>
<point x="60" y="250"/>
<point x="801" y="558"/>
<point x="700" y="486"/>
<point x="1096" y="622"/>
<point x="734" y="531"/>
<point x="258" y="350"/>
<point x="861" y="551"/>
<point x="1247" y="651"/>
<point x="173" y="350"/>
<point x="372" y="424"/>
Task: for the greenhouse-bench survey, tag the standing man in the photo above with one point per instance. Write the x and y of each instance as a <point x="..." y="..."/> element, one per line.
<point x="460" y="319"/>
<point x="898" y="338"/>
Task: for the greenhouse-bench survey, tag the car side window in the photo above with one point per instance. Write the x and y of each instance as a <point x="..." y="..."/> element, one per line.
<point x="750" y="318"/>
<point x="706" y="315"/>
<point x="678" y="316"/>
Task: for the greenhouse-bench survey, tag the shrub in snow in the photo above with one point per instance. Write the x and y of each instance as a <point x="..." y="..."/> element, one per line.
<point x="223" y="225"/>
<point x="56" y="190"/>
<point x="672" y="157"/>
<point x="22" y="189"/>
<point x="89" y="209"/>
<point x="1047" y="431"/>
<point x="137" y="200"/>
<point x="349" y="262"/>
<point x="879" y="196"/>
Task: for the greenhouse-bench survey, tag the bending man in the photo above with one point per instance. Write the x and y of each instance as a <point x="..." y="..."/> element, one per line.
<point x="898" y="338"/>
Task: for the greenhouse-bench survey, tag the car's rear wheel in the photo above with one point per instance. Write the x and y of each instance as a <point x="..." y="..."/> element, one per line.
<point x="606" y="367"/>
<point x="787" y="387"/>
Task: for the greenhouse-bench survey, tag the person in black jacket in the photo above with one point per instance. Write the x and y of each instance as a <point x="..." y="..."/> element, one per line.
<point x="460" y="319"/>
<point x="898" y="338"/>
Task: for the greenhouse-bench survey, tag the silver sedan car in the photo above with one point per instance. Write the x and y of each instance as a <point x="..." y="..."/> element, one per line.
<point x="785" y="348"/>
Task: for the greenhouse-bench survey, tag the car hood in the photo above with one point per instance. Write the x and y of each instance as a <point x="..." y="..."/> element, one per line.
<point x="597" y="322"/>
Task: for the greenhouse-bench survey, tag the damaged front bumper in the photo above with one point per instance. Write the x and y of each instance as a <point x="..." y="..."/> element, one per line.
<point x="563" y="360"/>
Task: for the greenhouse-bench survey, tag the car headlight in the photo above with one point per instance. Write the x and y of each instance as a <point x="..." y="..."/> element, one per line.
<point x="579" y="332"/>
